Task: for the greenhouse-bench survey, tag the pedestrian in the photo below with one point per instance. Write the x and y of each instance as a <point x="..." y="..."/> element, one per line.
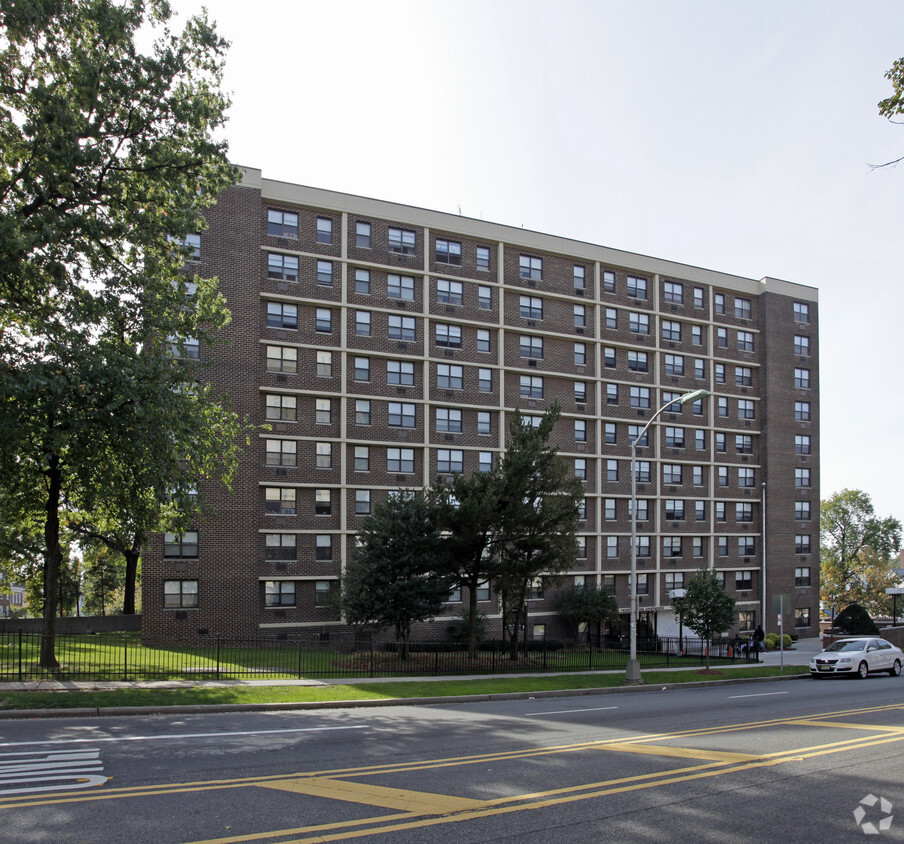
<point x="758" y="636"/>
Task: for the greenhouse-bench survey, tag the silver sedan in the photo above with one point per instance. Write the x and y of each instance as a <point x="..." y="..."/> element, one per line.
<point x="857" y="657"/>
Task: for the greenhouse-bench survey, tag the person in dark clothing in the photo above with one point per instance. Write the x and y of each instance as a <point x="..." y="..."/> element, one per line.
<point x="758" y="636"/>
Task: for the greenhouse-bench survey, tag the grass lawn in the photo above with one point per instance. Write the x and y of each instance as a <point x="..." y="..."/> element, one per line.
<point x="365" y="691"/>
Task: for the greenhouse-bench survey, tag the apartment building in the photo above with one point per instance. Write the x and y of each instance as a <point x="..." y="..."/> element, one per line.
<point x="385" y="344"/>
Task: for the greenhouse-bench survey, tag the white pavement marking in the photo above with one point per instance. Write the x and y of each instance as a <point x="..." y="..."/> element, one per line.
<point x="566" y="711"/>
<point x="761" y="694"/>
<point x="33" y="770"/>
<point x="96" y="740"/>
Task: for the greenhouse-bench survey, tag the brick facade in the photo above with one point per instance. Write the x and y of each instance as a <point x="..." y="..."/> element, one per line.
<point x="385" y="344"/>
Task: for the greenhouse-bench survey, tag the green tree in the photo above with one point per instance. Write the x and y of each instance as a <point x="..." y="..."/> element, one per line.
<point x="587" y="605"/>
<point x="706" y="608"/>
<point x="855" y="547"/>
<point x="892" y="107"/>
<point x="856" y="621"/>
<point x="105" y="153"/>
<point x="394" y="576"/>
<point x="538" y="506"/>
<point x="103" y="580"/>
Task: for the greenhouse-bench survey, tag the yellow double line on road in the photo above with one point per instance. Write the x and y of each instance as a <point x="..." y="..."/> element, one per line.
<point x="419" y="809"/>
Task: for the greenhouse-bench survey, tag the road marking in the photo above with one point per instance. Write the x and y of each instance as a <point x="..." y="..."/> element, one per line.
<point x="33" y="771"/>
<point x="682" y="752"/>
<point x="843" y="725"/>
<point x="566" y="711"/>
<point x="419" y="802"/>
<point x="761" y="694"/>
<point x="176" y="736"/>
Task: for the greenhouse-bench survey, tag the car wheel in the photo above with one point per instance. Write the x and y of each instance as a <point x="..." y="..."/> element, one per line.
<point x="895" y="670"/>
<point x="862" y="670"/>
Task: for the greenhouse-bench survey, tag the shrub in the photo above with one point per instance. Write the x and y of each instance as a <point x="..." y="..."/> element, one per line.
<point x="771" y="641"/>
<point x="855" y="621"/>
<point x="786" y="641"/>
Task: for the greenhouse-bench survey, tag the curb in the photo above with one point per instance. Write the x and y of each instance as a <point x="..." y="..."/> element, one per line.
<point x="198" y="709"/>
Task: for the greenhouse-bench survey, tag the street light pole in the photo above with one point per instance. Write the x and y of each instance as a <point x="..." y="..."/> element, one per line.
<point x="632" y="671"/>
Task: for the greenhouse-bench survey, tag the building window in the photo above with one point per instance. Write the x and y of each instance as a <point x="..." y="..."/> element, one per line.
<point x="362" y="369"/>
<point x="449" y="292"/>
<point x="580" y="430"/>
<point x="612" y="394"/>
<point x="448" y="335"/>
<point x="640" y="396"/>
<point x="611" y="470"/>
<point x="281" y="408"/>
<point x="698" y="297"/>
<point x="746" y="546"/>
<point x="802" y="379"/>
<point x="671" y="473"/>
<point x="802" y="576"/>
<point x="448" y="252"/>
<point x="609" y="359"/>
<point x="743" y="308"/>
<point x="699" y="368"/>
<point x="484" y="461"/>
<point x="282" y="223"/>
<point x="362" y="323"/>
<point x="745" y="617"/>
<point x="531" y="307"/>
<point x="532" y="386"/>
<point x="282" y="359"/>
<point x="745" y="477"/>
<point x="700" y="511"/>
<point x="362" y="235"/>
<point x="801" y="312"/>
<point x="743" y="376"/>
<point x="323" y="503"/>
<point x="674" y="437"/>
<point x="674" y="579"/>
<point x="449" y="376"/>
<point x="281" y="452"/>
<point x="483" y="258"/>
<point x="484" y="298"/>
<point x="720" y="511"/>
<point x="362" y="411"/>
<point x="284" y="267"/>
<point x="323" y="547"/>
<point x="801" y="345"/>
<point x="324" y="364"/>
<point x="280" y="546"/>
<point x="324" y="230"/>
<point x="633" y="431"/>
<point x="402" y="241"/>
<point x="362" y="458"/>
<point x="530" y="347"/>
<point x="611" y="547"/>
<point x="720" y="442"/>
<point x="801" y="616"/>
<point x="324" y="455"/>
<point x="697" y="475"/>
<point x="180" y="594"/>
<point x="484" y="422"/>
<point x="671" y="330"/>
<point x="400" y="373"/>
<point x="325" y="273"/>
<point x="674" y="365"/>
<point x="674" y="510"/>
<point x="324" y="320"/>
<point x="722" y="406"/>
<point x="719" y="300"/>
<point x="643" y="550"/>
<point x="448" y="420"/>
<point x="697" y="335"/>
<point x="531" y="267"/>
<point x="743" y="580"/>
<point x="400" y="460"/>
<point x="323" y="411"/>
<point x="743" y="511"/>
<point x="580" y="468"/>
<point x="279" y="501"/>
<point x="802" y="543"/>
<point x="401" y="327"/>
<point x="485" y="380"/>
<point x="722" y="475"/>
<point x="580" y="281"/>
<point x="609" y="433"/>
<point x="608" y="281"/>
<point x="802" y="411"/>
<point x="638" y="323"/>
<point x="282" y="315"/>
<point x="362" y="281"/>
<point x="609" y="509"/>
<point x="321" y="593"/>
<point x="643" y="583"/>
<point x="611" y="316"/>
<point x="673" y="292"/>
<point x="700" y="439"/>
<point x="449" y="460"/>
<point x="181" y="545"/>
<point x="745" y="409"/>
<point x="745" y="341"/>
<point x="400" y="287"/>
<point x="697" y="546"/>
<point x="580" y="392"/>
<point x="637" y="361"/>
<point x="580" y="354"/>
<point x="722" y="338"/>
<point x="483" y="340"/>
<point x="580" y="316"/>
<point x="802" y="511"/>
<point x="643" y="472"/>
<point x="722" y="546"/>
<point x="743" y="444"/>
<point x="637" y="287"/>
<point x="483" y="591"/>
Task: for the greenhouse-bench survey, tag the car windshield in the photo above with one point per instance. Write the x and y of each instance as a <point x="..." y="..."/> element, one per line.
<point x="845" y="646"/>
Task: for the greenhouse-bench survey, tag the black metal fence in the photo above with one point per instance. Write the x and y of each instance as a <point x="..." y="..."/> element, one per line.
<point x="123" y="657"/>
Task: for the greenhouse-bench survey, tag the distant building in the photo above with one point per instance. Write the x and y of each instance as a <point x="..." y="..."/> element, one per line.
<point x="12" y="598"/>
<point x="386" y="344"/>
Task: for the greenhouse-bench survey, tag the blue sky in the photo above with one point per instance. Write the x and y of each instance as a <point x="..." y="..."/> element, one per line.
<point x="733" y="136"/>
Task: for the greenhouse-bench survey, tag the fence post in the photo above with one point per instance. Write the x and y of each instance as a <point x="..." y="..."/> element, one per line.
<point x="20" y="654"/>
<point x="299" y="659"/>
<point x="371" y="658"/>
<point x="218" y="656"/>
<point x="436" y="661"/>
<point x="125" y="657"/>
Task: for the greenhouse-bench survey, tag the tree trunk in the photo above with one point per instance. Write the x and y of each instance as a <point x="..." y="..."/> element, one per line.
<point x="53" y="557"/>
<point x="132" y="556"/>
<point x="513" y="644"/>
<point x="472" y="619"/>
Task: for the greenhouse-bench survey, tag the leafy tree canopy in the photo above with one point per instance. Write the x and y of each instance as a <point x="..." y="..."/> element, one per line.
<point x="706" y="608"/>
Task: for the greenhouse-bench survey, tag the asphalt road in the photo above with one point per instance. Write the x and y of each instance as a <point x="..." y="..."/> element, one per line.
<point x="781" y="761"/>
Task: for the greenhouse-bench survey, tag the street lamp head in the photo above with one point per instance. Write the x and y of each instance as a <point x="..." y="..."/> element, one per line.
<point x="687" y="398"/>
